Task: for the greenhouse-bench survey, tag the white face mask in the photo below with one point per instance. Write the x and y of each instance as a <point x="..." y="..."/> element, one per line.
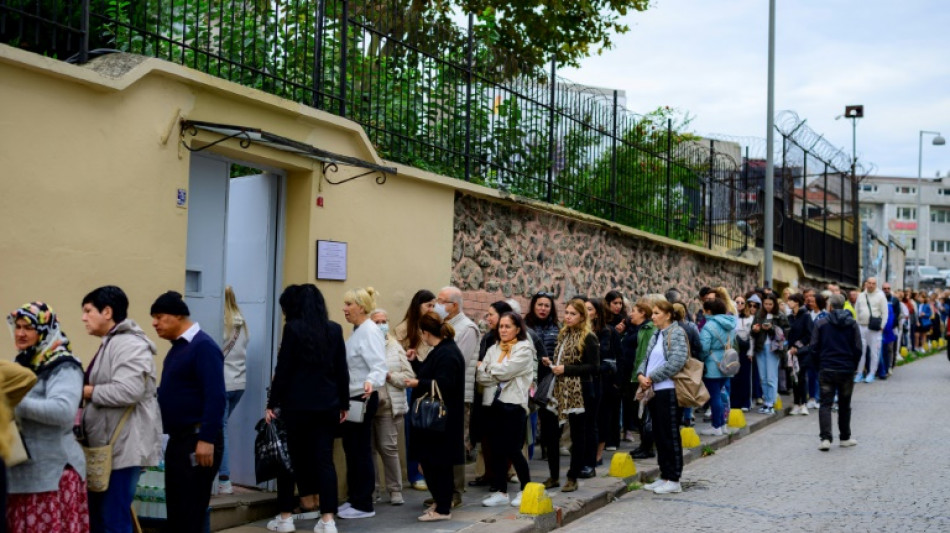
<point x="384" y="328"/>
<point x="441" y="311"/>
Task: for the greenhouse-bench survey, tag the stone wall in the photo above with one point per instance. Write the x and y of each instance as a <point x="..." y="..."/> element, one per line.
<point x="508" y="250"/>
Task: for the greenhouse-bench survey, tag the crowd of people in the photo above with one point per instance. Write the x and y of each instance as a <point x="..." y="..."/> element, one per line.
<point x="593" y="371"/>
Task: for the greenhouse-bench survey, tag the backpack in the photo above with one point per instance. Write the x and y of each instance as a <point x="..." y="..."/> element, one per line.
<point x="729" y="364"/>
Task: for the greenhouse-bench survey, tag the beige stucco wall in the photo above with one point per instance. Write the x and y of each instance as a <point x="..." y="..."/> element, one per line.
<point x="91" y="167"/>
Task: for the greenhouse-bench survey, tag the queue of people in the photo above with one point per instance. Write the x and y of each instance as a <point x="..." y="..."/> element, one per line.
<point x="598" y="372"/>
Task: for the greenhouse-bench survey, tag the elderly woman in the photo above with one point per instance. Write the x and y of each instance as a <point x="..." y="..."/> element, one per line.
<point x="506" y="374"/>
<point x="120" y="399"/>
<point x="49" y="488"/>
<point x="666" y="355"/>
<point x="366" y="360"/>
<point x="439" y="451"/>
<point x="392" y="406"/>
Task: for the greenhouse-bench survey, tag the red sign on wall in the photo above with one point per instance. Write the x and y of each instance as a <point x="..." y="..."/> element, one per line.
<point x="902" y="225"/>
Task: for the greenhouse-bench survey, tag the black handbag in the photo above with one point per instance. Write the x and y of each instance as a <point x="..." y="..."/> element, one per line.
<point x="428" y="411"/>
<point x="874" y="323"/>
<point x="542" y="394"/>
<point x="271" y="456"/>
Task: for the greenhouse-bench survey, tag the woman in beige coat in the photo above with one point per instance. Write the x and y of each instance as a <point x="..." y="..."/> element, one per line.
<point x="120" y="379"/>
<point x="392" y="407"/>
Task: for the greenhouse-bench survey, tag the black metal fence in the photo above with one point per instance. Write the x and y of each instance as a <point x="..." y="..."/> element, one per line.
<point x="430" y="93"/>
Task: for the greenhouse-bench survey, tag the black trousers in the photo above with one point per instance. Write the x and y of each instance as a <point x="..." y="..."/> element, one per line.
<point x="608" y="417"/>
<point x="358" y="447"/>
<point x="441" y="481"/>
<point x="629" y="407"/>
<point x="592" y="398"/>
<point x="646" y="429"/>
<point x="666" y="429"/>
<point x="310" y="436"/>
<point x="741" y="393"/>
<point x="550" y="441"/>
<point x="842" y="384"/>
<point x="507" y="438"/>
<point x="187" y="487"/>
<point x="800" y="389"/>
<point x="580" y="456"/>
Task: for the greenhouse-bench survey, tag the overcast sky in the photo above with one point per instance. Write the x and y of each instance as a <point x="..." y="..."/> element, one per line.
<point x="711" y="58"/>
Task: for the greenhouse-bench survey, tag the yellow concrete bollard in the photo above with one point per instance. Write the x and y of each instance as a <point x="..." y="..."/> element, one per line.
<point x="903" y="351"/>
<point x="621" y="465"/>
<point x="689" y="437"/>
<point x="736" y="419"/>
<point x="535" y="500"/>
<point x="778" y="403"/>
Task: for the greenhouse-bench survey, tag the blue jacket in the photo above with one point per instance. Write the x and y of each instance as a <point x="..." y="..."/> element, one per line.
<point x="717" y="332"/>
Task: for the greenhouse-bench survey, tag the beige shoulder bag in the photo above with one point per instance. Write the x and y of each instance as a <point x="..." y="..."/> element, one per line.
<point x="99" y="459"/>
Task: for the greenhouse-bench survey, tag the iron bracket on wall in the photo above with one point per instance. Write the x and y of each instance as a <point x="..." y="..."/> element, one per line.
<point x="330" y="162"/>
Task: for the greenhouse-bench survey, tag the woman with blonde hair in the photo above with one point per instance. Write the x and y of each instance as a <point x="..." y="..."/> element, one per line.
<point x="235" y="371"/>
<point x="366" y="361"/>
<point x="392" y="407"/>
<point x="723" y="294"/>
<point x="575" y="359"/>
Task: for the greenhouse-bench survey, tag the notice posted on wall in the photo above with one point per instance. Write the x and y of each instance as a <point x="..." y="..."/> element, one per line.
<point x="331" y="260"/>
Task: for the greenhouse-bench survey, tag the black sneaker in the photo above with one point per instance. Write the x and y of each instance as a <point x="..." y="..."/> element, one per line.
<point x="587" y="472"/>
<point x="642" y="454"/>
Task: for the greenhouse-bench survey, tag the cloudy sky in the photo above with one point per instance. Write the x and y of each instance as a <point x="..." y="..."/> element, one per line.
<point x="710" y="59"/>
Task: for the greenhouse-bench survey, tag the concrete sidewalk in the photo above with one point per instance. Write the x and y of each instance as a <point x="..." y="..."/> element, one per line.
<point x="593" y="494"/>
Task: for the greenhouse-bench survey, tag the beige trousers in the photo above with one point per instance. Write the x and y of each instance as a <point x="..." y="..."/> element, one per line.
<point x="386" y="445"/>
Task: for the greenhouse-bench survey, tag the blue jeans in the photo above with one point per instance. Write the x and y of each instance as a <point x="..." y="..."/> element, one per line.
<point x="412" y="467"/>
<point x="234" y="397"/>
<point x="714" y="386"/>
<point x="767" y="363"/>
<point x="813" y="390"/>
<point x="110" y="511"/>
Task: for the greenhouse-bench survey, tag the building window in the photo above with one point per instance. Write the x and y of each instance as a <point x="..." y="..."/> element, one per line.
<point x="867" y="187"/>
<point x="940" y="247"/>
<point x="940" y="216"/>
<point x="913" y="244"/>
<point x="943" y="192"/>
<point x="867" y="212"/>
<point x="906" y="190"/>
<point x="906" y="213"/>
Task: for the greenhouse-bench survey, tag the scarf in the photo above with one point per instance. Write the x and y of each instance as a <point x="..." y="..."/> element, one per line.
<point x="567" y="389"/>
<point x="52" y="347"/>
<point x="506" y="349"/>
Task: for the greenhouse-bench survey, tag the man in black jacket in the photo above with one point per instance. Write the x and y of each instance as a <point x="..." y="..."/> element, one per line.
<point x="836" y="349"/>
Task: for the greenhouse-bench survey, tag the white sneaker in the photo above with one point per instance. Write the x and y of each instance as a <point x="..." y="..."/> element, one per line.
<point x="497" y="499"/>
<point x="325" y="527"/>
<point x="825" y="445"/>
<point x="813" y="403"/>
<point x="564" y="452"/>
<point x="343" y="506"/>
<point x="668" y="487"/>
<point x="516" y="502"/>
<point x="795" y="411"/>
<point x="611" y="448"/>
<point x="848" y="443"/>
<point x="804" y="410"/>
<point x="654" y="484"/>
<point x="395" y="498"/>
<point x="351" y="513"/>
<point x="225" y="487"/>
<point x="285" y="525"/>
<point x="711" y="431"/>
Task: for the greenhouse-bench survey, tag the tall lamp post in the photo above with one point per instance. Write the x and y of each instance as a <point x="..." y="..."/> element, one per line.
<point x="938" y="140"/>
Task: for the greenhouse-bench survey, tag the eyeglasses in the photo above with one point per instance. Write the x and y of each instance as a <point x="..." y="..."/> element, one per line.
<point x="740" y="302"/>
<point x="545" y="294"/>
<point x="753" y="304"/>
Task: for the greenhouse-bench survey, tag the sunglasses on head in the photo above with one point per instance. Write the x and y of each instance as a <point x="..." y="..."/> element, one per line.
<point x="546" y="294"/>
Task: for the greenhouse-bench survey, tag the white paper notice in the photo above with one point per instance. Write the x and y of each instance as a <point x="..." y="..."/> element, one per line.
<point x="331" y="260"/>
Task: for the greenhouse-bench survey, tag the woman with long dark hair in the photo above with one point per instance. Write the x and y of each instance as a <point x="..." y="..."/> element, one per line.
<point x="799" y="339"/>
<point x="575" y="359"/>
<point x="506" y="373"/>
<point x="310" y="394"/>
<point x="616" y="309"/>
<point x="667" y="354"/>
<point x="439" y="451"/>
<point x="740" y="396"/>
<point x="765" y="328"/>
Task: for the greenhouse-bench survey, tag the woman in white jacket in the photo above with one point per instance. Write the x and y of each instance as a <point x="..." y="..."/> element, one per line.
<point x="392" y="407"/>
<point x="506" y="372"/>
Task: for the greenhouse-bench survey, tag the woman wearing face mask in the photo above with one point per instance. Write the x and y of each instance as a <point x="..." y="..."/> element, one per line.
<point x="408" y="335"/>
<point x="392" y="407"/>
<point x="576" y="357"/>
<point x="481" y="414"/>
<point x="439" y="451"/>
<point x="366" y="361"/>
<point x="667" y="354"/>
<point x="506" y="374"/>
<point x="765" y="326"/>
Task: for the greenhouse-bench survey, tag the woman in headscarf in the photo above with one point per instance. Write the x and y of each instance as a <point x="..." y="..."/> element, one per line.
<point x="50" y="487"/>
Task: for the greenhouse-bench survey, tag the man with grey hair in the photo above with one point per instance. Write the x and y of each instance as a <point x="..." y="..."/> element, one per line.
<point x="835" y="349"/>
<point x="467" y="337"/>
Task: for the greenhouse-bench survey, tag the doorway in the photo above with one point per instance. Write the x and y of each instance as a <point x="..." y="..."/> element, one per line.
<point x="235" y="237"/>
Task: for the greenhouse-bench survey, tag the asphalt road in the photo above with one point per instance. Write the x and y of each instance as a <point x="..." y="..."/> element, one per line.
<point x="896" y="479"/>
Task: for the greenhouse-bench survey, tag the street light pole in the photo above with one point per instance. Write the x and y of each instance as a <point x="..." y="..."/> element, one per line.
<point x="938" y="141"/>
<point x="768" y="239"/>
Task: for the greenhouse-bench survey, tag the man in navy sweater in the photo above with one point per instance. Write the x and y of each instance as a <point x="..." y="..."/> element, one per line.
<point x="191" y="396"/>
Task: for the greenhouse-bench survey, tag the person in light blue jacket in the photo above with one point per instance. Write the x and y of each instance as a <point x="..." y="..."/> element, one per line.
<point x="717" y="333"/>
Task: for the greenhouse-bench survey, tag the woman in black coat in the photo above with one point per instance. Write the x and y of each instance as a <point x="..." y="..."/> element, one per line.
<point x="799" y="337"/>
<point x="439" y="451"/>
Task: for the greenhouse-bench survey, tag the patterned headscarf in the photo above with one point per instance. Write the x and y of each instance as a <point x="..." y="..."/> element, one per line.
<point x="52" y="343"/>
